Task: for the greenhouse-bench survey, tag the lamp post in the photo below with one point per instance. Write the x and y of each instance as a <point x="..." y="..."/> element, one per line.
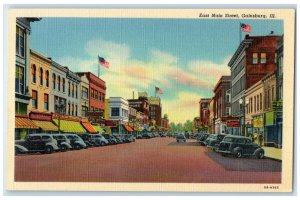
<point x="59" y="106"/>
<point x="243" y="104"/>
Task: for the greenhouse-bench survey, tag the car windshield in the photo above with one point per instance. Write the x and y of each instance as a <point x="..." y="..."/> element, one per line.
<point x="228" y="139"/>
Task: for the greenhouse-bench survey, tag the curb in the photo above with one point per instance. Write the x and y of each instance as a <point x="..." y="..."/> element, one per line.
<point x="271" y="158"/>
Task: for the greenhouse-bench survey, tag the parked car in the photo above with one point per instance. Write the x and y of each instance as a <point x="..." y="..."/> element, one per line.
<point x="87" y="139"/>
<point x="151" y="135"/>
<point x="156" y="135"/>
<point x="98" y="139"/>
<point x="180" y="138"/>
<point x="214" y="142"/>
<point x="139" y="136"/>
<point x="210" y="136"/>
<point x="130" y="137"/>
<point x="63" y="142"/>
<point x="111" y="139"/>
<point x="39" y="142"/>
<point x="76" y="141"/>
<point x="163" y="135"/>
<point x="146" y="136"/>
<point x="119" y="139"/>
<point x="201" y="139"/>
<point x="239" y="146"/>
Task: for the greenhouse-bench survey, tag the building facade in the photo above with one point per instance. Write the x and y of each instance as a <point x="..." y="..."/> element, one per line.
<point x="222" y="104"/>
<point x="211" y="122"/>
<point x="204" y="112"/>
<point x="39" y="83"/>
<point x="141" y="105"/>
<point x="73" y="95"/>
<point x="155" y="110"/>
<point x="119" y="110"/>
<point x="269" y="83"/>
<point x="253" y="59"/>
<point x="84" y="95"/>
<point x="255" y="110"/>
<point x="97" y="92"/>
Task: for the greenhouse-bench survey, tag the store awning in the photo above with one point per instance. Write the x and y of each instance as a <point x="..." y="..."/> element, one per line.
<point x="88" y="127"/>
<point x="128" y="128"/>
<point x="98" y="129"/>
<point x="70" y="126"/>
<point x="46" y="125"/>
<point x="24" y="122"/>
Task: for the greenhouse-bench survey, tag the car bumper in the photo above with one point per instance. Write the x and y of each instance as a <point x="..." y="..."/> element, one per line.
<point x="222" y="151"/>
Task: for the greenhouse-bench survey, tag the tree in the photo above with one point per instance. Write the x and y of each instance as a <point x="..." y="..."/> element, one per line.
<point x="188" y="126"/>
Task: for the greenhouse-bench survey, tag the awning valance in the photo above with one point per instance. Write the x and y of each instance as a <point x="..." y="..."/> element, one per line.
<point x="128" y="128"/>
<point x="98" y="128"/>
<point x="24" y="122"/>
<point x="46" y="125"/>
<point x="88" y="127"/>
<point x="70" y="126"/>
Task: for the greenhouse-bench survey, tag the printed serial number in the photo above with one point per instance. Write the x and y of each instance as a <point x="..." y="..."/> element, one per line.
<point x="271" y="187"/>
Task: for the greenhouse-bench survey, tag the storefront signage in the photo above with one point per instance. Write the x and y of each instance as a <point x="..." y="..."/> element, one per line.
<point x="95" y="113"/>
<point x="233" y="123"/>
<point x="258" y="122"/>
<point x="110" y="123"/>
<point x="65" y="117"/>
<point x="269" y="118"/>
<point x="40" y="116"/>
<point x="277" y="106"/>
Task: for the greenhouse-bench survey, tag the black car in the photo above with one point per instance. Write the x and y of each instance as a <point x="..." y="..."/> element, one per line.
<point x="88" y="140"/>
<point x="76" y="141"/>
<point x="62" y="142"/>
<point x="146" y="136"/>
<point x="119" y="139"/>
<point x="201" y="139"/>
<point x="239" y="146"/>
<point x="139" y="136"/>
<point x="214" y="141"/>
<point x="180" y="138"/>
<point x="111" y="139"/>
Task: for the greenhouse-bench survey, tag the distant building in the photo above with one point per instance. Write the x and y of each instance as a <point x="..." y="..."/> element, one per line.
<point x="196" y="124"/>
<point x="204" y="112"/>
<point x="211" y="122"/>
<point x="84" y="95"/>
<point x="73" y="97"/>
<point x="155" y="110"/>
<point x="253" y="59"/>
<point x="142" y="105"/>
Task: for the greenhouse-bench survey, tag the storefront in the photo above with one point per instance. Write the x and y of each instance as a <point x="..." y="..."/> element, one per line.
<point x="24" y="126"/>
<point x="69" y="124"/>
<point x="98" y="128"/>
<point x="220" y="126"/>
<point x="111" y="127"/>
<point x="269" y="129"/>
<point x="233" y="127"/>
<point x="258" y="128"/>
<point x="277" y="108"/>
<point x="88" y="126"/>
<point x="44" y="122"/>
<point x="129" y="129"/>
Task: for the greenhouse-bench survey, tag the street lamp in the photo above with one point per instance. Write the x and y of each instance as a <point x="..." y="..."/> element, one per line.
<point x="243" y="106"/>
<point x="59" y="106"/>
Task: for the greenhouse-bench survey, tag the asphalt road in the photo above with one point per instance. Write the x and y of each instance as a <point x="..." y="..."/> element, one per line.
<point x="146" y="160"/>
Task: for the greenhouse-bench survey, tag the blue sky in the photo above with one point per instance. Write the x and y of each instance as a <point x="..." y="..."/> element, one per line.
<point x="185" y="57"/>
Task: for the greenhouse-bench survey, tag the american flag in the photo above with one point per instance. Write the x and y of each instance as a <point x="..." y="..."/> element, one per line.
<point x="158" y="90"/>
<point x="103" y="62"/>
<point x="246" y="28"/>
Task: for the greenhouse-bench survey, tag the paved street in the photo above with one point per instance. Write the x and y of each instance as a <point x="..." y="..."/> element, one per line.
<point x="146" y="160"/>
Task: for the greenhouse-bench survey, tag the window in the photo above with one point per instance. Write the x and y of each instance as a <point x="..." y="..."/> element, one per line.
<point x="41" y="76"/>
<point x="46" y="101"/>
<point x="72" y="109"/>
<point x="257" y="106"/>
<point x="96" y="94"/>
<point x="84" y="92"/>
<point x="275" y="58"/>
<point x="69" y="89"/>
<point x="92" y="95"/>
<point x="69" y="108"/>
<point x="58" y="83"/>
<point x="273" y="94"/>
<point x="228" y="111"/>
<point x="76" y="110"/>
<point x="53" y="81"/>
<point x="73" y="90"/>
<point x="254" y="58"/>
<point x="254" y="103"/>
<point x="280" y="66"/>
<point x="115" y="112"/>
<point x="34" y="99"/>
<point x="20" y="50"/>
<point x="228" y="96"/>
<point x="251" y="103"/>
<point x="63" y="85"/>
<point x="260" y="101"/>
<point x="47" y="78"/>
<point x="84" y="110"/>
<point x="76" y="93"/>
<point x="33" y="73"/>
<point x="19" y="87"/>
<point x="280" y="92"/>
<point x="263" y="58"/>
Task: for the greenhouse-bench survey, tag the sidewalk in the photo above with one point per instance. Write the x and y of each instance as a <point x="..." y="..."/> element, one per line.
<point x="272" y="153"/>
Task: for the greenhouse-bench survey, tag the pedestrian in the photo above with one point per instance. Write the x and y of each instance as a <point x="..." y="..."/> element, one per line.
<point x="260" y="137"/>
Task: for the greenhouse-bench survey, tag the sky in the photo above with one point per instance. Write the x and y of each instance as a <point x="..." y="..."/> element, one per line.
<point x="184" y="57"/>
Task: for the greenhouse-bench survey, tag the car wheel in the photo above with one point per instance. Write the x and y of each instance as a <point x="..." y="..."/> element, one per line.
<point x="63" y="148"/>
<point x="48" y="149"/>
<point x="102" y="143"/>
<point x="77" y="146"/>
<point x="260" y="155"/>
<point x="238" y="154"/>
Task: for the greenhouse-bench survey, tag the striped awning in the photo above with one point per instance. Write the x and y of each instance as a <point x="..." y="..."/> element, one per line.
<point x="70" y="126"/>
<point x="98" y="129"/>
<point x="24" y="122"/>
<point x="88" y="127"/>
<point x="46" y="125"/>
<point x="128" y="128"/>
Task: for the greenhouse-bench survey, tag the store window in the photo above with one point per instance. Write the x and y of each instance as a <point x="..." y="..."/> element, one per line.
<point x="34" y="99"/>
<point x="19" y="81"/>
<point x="263" y="58"/>
<point x="46" y="101"/>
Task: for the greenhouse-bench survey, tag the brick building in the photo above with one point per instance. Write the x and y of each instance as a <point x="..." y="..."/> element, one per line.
<point x="141" y="105"/>
<point x="253" y="59"/>
<point x="155" y="110"/>
<point x="204" y="112"/>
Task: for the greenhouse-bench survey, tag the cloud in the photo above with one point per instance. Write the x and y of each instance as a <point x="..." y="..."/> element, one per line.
<point x="128" y="74"/>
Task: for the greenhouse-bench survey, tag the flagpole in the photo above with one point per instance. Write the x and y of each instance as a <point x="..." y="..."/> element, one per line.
<point x="240" y="29"/>
<point x="98" y="68"/>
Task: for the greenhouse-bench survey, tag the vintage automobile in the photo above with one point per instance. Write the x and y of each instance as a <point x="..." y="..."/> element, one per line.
<point x="119" y="139"/>
<point x="87" y="139"/>
<point x="111" y="139"/>
<point x="214" y="141"/>
<point x="239" y="146"/>
<point x="201" y="139"/>
<point x="180" y="138"/>
<point x="39" y="142"/>
<point x="98" y="140"/>
<point x="139" y="136"/>
<point x="146" y="136"/>
<point x="76" y="141"/>
<point x="62" y="142"/>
